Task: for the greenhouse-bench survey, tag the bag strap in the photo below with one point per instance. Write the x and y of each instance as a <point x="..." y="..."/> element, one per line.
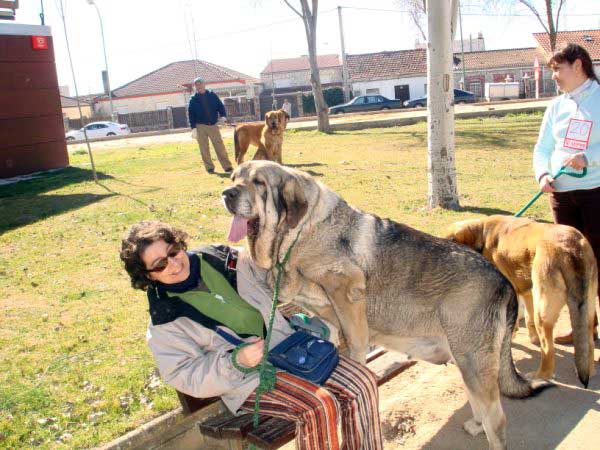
<point x="228" y="337"/>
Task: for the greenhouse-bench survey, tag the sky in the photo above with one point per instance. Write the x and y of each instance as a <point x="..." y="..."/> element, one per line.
<point x="244" y="35"/>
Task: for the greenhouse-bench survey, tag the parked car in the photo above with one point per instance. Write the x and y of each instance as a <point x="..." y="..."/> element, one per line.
<point x="98" y="129"/>
<point x="460" y="96"/>
<point x="366" y="103"/>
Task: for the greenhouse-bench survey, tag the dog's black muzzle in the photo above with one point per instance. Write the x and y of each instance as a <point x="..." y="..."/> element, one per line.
<point x="230" y="197"/>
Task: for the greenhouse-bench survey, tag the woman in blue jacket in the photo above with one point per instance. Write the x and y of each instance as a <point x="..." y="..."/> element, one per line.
<point x="570" y="136"/>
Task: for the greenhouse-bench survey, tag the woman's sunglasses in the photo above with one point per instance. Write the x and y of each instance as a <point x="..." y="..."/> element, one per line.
<point x="164" y="262"/>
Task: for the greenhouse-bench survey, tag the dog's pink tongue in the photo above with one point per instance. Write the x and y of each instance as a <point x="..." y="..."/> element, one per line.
<point x="238" y="229"/>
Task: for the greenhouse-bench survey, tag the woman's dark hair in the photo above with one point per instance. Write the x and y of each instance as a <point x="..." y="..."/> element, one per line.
<point x="570" y="54"/>
<point x="137" y="239"/>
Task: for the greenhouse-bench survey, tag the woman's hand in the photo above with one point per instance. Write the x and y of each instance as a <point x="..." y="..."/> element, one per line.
<point x="251" y="355"/>
<point x="577" y="161"/>
<point x="546" y="184"/>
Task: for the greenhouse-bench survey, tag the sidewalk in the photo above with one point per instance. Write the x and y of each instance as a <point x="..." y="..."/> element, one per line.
<point x="339" y="122"/>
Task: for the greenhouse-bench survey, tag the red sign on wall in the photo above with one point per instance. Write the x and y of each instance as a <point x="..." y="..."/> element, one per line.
<point x="39" y="42"/>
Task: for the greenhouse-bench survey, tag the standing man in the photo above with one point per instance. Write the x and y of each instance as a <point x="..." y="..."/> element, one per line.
<point x="287" y="107"/>
<point x="204" y="111"/>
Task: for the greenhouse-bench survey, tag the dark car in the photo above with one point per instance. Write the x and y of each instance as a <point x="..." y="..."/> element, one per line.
<point x="366" y="103"/>
<point x="460" y="96"/>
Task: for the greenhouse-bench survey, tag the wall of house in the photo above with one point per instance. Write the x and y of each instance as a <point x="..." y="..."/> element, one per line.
<point x="416" y="86"/>
<point x="476" y="79"/>
<point x="300" y="78"/>
<point x="162" y="101"/>
<point x="73" y="113"/>
<point x="140" y="104"/>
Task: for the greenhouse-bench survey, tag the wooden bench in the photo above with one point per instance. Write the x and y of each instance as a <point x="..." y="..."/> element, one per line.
<point x="272" y="433"/>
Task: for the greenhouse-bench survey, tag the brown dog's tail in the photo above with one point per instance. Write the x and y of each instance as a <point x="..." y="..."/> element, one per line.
<point x="512" y="384"/>
<point x="581" y="281"/>
<point x="236" y="144"/>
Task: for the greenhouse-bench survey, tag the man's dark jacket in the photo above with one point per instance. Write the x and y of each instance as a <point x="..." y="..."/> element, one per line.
<point x="205" y="109"/>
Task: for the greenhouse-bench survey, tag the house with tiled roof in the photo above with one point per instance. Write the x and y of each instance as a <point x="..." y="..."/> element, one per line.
<point x="70" y="109"/>
<point x="495" y="66"/>
<point x="400" y="74"/>
<point x="588" y="39"/>
<point x="172" y="85"/>
<point x="293" y="74"/>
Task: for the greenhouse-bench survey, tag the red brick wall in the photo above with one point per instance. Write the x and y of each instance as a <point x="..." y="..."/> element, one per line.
<point x="32" y="136"/>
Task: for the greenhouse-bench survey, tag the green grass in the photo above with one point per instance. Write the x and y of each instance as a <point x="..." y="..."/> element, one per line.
<point x="72" y="331"/>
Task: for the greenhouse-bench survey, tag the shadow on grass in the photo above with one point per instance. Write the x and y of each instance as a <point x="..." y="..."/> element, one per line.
<point x="299" y="165"/>
<point x="24" y="209"/>
<point x="50" y="181"/>
<point x="486" y="211"/>
<point x="26" y="201"/>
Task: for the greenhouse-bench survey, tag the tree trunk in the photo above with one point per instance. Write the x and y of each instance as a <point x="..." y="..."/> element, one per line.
<point x="442" y="189"/>
<point x="310" y="25"/>
<point x="551" y="29"/>
<point x="320" y="105"/>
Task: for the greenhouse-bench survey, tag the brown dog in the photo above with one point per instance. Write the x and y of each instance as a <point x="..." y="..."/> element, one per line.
<point x="549" y="266"/>
<point x="267" y="137"/>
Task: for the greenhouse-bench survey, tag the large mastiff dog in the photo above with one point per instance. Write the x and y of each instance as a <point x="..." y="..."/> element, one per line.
<point x="384" y="283"/>
<point x="549" y="266"/>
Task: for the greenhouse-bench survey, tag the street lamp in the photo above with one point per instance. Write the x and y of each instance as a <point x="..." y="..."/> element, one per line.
<point x="92" y="2"/>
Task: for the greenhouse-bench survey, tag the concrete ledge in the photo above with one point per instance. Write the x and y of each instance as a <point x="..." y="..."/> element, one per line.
<point x="401" y="121"/>
<point x="172" y="430"/>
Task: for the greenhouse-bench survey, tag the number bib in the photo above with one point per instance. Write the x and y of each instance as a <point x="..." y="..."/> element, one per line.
<point x="578" y="134"/>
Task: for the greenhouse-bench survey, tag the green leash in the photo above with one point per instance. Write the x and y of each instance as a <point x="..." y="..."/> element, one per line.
<point x="267" y="372"/>
<point x="560" y="172"/>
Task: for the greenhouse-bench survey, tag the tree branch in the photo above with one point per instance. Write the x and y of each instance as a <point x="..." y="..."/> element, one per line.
<point x="560" y="5"/>
<point x="536" y="13"/>
<point x="293" y="9"/>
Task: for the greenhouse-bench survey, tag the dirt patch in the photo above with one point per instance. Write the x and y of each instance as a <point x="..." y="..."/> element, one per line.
<point x="425" y="407"/>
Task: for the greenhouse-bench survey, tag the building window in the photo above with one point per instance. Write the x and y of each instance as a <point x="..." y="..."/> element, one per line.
<point x="356" y="93"/>
<point x="373" y="91"/>
<point x="161" y="105"/>
<point x="123" y="110"/>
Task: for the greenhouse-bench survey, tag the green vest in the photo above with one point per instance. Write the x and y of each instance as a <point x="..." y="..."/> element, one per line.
<point x="223" y="303"/>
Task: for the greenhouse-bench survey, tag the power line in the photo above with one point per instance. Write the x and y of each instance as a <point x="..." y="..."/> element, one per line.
<point x="401" y="11"/>
<point x="229" y="34"/>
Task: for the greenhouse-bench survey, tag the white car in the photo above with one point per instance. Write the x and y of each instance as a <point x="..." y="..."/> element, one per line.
<point x="98" y="129"/>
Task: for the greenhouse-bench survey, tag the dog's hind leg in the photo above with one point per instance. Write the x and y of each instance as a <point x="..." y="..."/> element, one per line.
<point x="550" y="296"/>
<point x="480" y="374"/>
<point x="527" y="299"/>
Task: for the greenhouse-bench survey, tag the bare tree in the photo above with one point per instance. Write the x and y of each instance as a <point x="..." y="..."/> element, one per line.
<point x="441" y="168"/>
<point x="309" y="18"/>
<point x="418" y="13"/>
<point x="546" y="11"/>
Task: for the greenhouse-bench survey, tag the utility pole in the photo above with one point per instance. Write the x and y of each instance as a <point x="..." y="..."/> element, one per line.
<point x="87" y="141"/>
<point x="442" y="190"/>
<point x="462" y="49"/>
<point x="345" y="81"/>
<point x="112" y="111"/>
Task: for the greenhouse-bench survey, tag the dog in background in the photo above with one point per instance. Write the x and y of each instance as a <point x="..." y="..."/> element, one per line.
<point x="267" y="137"/>
<point x="549" y="266"/>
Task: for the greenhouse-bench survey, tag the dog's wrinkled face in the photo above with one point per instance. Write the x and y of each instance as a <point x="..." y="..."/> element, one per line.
<point x="276" y="121"/>
<point x="265" y="198"/>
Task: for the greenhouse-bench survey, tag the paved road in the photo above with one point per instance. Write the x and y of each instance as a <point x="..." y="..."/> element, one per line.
<point x="376" y="119"/>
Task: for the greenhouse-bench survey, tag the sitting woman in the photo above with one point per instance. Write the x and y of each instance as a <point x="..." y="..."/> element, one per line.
<point x="192" y="293"/>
